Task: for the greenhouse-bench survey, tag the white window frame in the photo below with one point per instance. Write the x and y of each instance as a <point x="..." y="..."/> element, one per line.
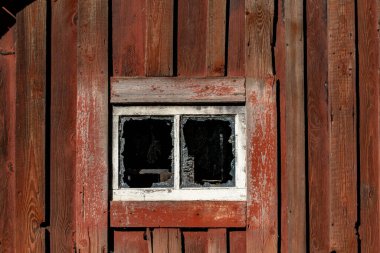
<point x="236" y="193"/>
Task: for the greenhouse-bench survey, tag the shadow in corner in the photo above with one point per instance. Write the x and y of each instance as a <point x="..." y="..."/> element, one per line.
<point x="8" y="11"/>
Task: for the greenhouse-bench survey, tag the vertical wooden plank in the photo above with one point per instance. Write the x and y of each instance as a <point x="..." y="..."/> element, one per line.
<point x="166" y="240"/>
<point x="130" y="242"/>
<point x="30" y="127"/>
<point x="195" y="242"/>
<point x="216" y="37"/>
<point x="369" y="80"/>
<point x="294" y="185"/>
<point x="7" y="142"/>
<point x="91" y="197"/>
<point x="128" y="37"/>
<point x="261" y="129"/>
<point x="280" y="64"/>
<point x="217" y="241"/>
<point x="236" y="40"/>
<point x="341" y="83"/>
<point x="63" y="124"/>
<point x="237" y="242"/>
<point x="192" y="37"/>
<point x="318" y="125"/>
<point x="159" y="51"/>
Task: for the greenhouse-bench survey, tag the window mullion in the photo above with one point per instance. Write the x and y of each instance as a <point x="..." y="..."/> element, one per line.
<point x="177" y="156"/>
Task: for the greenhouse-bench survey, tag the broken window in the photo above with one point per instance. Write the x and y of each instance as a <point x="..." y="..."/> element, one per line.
<point x="179" y="153"/>
<point x="146" y="152"/>
<point x="207" y="151"/>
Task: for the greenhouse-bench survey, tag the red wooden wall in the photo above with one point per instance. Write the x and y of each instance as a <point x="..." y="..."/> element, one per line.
<point x="312" y="87"/>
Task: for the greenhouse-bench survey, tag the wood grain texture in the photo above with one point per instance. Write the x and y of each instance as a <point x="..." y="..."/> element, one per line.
<point x="91" y="189"/>
<point x="159" y="36"/>
<point x="341" y="83"/>
<point x="318" y="125"/>
<point x="195" y="241"/>
<point x="63" y="124"/>
<point x="216" y="38"/>
<point x="294" y="184"/>
<point x="236" y="40"/>
<point x="369" y="95"/>
<point x="167" y="240"/>
<point x="129" y="37"/>
<point x="7" y="143"/>
<point x="192" y="38"/>
<point x="130" y="242"/>
<point x="177" y="90"/>
<point x="30" y="127"/>
<point x="280" y="65"/>
<point x="237" y="242"/>
<point x="261" y="129"/>
<point x="217" y="240"/>
<point x="177" y="214"/>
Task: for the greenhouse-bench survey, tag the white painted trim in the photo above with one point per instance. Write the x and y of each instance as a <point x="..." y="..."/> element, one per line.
<point x="185" y="194"/>
<point x="237" y="193"/>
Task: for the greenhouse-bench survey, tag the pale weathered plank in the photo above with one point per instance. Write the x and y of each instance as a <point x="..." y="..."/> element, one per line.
<point x="128" y="37"/>
<point x="7" y="142"/>
<point x="294" y="184"/>
<point x="159" y="36"/>
<point x="177" y="214"/>
<point x="167" y="240"/>
<point x="91" y="189"/>
<point x="261" y="129"/>
<point x="342" y="124"/>
<point x="130" y="242"/>
<point x="192" y="38"/>
<point x="217" y="240"/>
<point x="369" y="92"/>
<point x="216" y="38"/>
<point x="30" y="127"/>
<point x="177" y="90"/>
<point x="236" y="40"/>
<point x="63" y="125"/>
<point x="318" y="125"/>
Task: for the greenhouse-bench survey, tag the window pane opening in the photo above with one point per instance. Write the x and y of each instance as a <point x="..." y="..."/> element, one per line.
<point x="146" y="152"/>
<point x="207" y="151"/>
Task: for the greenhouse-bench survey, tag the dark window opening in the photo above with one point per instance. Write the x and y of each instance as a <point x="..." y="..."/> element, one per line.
<point x="207" y="151"/>
<point x="146" y="148"/>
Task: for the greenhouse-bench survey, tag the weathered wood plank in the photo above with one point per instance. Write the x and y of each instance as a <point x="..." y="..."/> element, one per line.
<point x="261" y="129"/>
<point x="318" y="125"/>
<point x="342" y="124"/>
<point x="129" y="37"/>
<point x="236" y="40"/>
<point x="294" y="184"/>
<point x="167" y="240"/>
<point x="177" y="90"/>
<point x="280" y="65"/>
<point x="91" y="197"/>
<point x="237" y="242"/>
<point x="63" y="124"/>
<point x="217" y="240"/>
<point x="159" y="36"/>
<point x="130" y="242"/>
<point x="7" y="143"/>
<point x="192" y="38"/>
<point x="216" y="38"/>
<point x="369" y="92"/>
<point x="30" y="127"/>
<point x="177" y="214"/>
<point x="195" y="241"/>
